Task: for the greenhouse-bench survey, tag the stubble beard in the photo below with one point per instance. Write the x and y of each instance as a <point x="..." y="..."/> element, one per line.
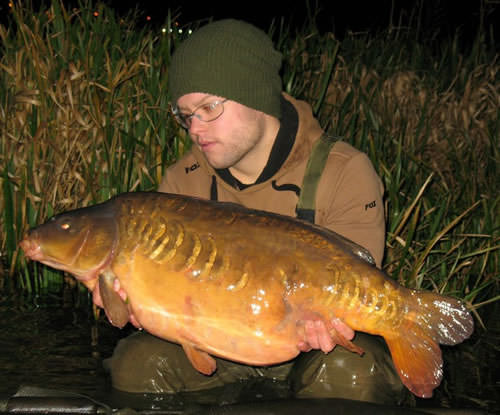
<point x="233" y="152"/>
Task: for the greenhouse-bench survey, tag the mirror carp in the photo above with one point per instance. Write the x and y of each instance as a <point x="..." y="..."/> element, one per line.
<point x="238" y="283"/>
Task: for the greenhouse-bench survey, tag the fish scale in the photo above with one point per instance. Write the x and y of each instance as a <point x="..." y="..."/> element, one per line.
<point x="238" y="283"/>
<point x="171" y="243"/>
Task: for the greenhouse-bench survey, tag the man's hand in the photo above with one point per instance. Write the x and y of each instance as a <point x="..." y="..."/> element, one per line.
<point x="320" y="337"/>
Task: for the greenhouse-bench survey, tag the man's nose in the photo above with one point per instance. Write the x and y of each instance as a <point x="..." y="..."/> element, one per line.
<point x="197" y="126"/>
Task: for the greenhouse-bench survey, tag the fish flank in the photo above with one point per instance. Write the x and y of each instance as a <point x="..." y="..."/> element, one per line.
<point x="161" y="246"/>
<point x="369" y="298"/>
<point x="145" y="238"/>
<point x="345" y="295"/>
<point x="333" y="288"/>
<point x="355" y="296"/>
<point x="211" y="257"/>
<point x="220" y="267"/>
<point x="284" y="277"/>
<point x="231" y="219"/>
<point x="195" y="251"/>
<point x="242" y="281"/>
<point x="178" y="231"/>
<point x="157" y="240"/>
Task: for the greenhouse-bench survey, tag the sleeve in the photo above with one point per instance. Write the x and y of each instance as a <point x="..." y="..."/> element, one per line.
<point x="354" y="206"/>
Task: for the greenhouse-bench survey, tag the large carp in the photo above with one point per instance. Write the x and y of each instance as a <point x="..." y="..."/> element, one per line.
<point x="237" y="283"/>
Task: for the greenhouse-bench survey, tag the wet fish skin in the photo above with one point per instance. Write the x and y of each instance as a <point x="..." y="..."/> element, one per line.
<point x="224" y="280"/>
<point x="115" y="308"/>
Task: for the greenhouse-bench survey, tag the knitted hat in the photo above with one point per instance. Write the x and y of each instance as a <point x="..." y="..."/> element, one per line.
<point x="231" y="59"/>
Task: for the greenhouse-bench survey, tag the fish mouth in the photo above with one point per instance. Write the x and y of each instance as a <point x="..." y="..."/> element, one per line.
<point x="31" y="248"/>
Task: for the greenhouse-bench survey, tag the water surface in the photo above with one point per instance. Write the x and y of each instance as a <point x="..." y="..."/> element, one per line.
<point x="53" y="346"/>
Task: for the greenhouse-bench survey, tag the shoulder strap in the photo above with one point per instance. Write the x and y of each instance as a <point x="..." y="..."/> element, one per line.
<point x="306" y="205"/>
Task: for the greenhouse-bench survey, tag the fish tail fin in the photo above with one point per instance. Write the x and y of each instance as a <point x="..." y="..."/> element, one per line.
<point x="431" y="320"/>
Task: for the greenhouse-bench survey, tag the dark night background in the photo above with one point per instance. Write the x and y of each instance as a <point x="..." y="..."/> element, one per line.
<point x="440" y="19"/>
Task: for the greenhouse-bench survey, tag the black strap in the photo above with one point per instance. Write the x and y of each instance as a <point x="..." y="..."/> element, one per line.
<point x="306" y="206"/>
<point x="213" y="189"/>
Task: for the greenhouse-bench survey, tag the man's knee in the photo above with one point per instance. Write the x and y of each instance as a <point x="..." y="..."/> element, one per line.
<point x="143" y="363"/>
<point x="344" y="374"/>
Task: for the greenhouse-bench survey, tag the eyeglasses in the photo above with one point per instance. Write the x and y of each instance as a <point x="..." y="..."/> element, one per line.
<point x="207" y="112"/>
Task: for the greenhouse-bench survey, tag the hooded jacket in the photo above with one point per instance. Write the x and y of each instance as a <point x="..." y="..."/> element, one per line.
<point x="349" y="195"/>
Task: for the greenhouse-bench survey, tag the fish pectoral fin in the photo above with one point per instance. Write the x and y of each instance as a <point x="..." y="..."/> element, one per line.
<point x="115" y="308"/>
<point x="201" y="361"/>
<point x="342" y="341"/>
<point x="418" y="361"/>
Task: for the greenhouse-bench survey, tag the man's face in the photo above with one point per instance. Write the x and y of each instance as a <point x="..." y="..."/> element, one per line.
<point x="229" y="139"/>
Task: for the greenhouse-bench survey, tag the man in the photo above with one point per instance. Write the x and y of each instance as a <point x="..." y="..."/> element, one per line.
<point x="251" y="146"/>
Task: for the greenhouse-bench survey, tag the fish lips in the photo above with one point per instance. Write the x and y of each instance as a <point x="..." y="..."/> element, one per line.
<point x="31" y="248"/>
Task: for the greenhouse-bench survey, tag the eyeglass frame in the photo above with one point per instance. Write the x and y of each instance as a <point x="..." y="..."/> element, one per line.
<point x="184" y="122"/>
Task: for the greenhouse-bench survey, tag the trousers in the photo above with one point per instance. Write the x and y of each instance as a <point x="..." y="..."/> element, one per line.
<point x="142" y="363"/>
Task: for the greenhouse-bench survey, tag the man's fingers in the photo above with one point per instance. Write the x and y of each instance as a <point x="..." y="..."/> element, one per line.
<point x="317" y="337"/>
<point x="325" y="339"/>
<point x="134" y="321"/>
<point x="118" y="289"/>
<point x="304" y="347"/>
<point x="311" y="334"/>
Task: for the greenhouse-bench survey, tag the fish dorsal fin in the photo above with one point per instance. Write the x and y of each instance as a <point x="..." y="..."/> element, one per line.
<point x="201" y="361"/>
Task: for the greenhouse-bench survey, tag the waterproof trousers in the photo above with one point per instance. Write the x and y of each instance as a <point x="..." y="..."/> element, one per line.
<point x="142" y="363"/>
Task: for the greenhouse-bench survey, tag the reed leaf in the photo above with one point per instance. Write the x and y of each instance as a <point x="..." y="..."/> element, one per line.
<point x="421" y="259"/>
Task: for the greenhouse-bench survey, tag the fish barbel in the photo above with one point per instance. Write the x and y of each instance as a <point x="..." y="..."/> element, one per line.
<point x="224" y="280"/>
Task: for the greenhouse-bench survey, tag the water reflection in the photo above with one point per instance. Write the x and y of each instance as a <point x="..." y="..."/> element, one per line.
<point x="54" y="347"/>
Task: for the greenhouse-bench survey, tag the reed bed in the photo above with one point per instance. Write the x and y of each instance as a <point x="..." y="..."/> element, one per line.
<point x="84" y="116"/>
<point x="429" y="120"/>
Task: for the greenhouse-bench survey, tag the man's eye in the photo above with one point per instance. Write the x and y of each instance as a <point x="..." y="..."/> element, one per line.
<point x="208" y="107"/>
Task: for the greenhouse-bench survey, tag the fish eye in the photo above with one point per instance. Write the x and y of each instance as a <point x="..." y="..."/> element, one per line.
<point x="65" y="226"/>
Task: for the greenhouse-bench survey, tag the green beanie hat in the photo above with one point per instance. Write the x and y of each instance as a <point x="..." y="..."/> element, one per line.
<point x="231" y="59"/>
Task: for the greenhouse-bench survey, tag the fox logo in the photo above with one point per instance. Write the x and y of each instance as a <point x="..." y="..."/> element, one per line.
<point x="370" y="205"/>
<point x="191" y="168"/>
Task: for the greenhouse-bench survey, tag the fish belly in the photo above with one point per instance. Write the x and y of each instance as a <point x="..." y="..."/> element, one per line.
<point x="248" y="323"/>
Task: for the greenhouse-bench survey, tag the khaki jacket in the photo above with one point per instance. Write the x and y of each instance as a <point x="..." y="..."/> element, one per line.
<point x="349" y="196"/>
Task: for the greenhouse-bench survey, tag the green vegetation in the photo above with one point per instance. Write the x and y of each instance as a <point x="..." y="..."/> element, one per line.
<point x="84" y="116"/>
<point x="84" y="111"/>
<point x="431" y="126"/>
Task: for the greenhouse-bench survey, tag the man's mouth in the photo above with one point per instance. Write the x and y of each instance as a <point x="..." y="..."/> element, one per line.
<point x="204" y="145"/>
